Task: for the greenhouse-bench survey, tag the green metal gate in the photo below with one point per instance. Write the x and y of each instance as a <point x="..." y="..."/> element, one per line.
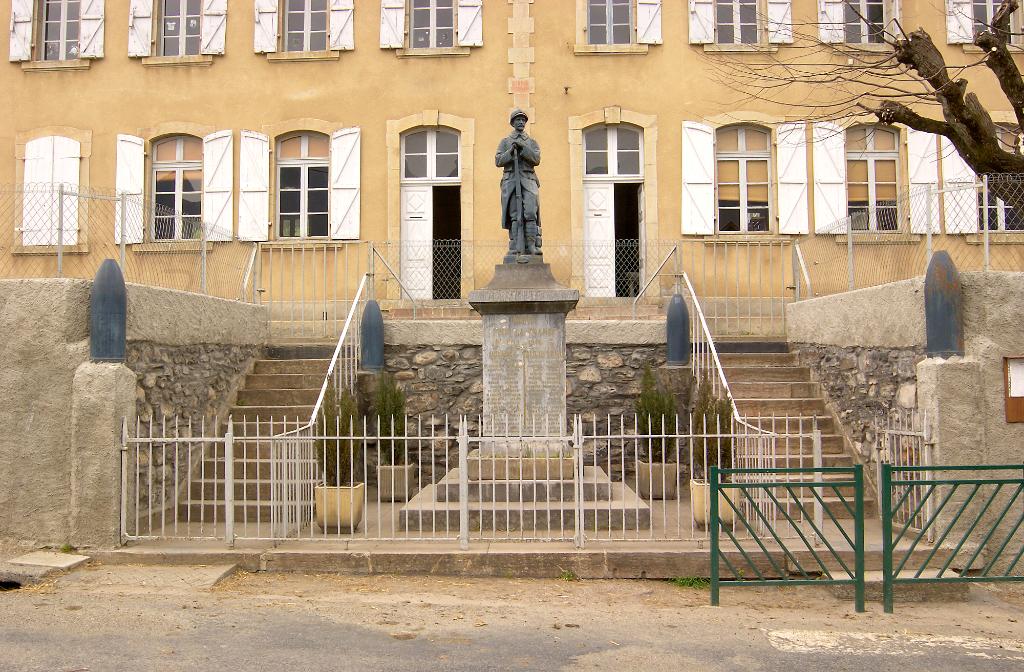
<point x="792" y="526"/>
<point x="951" y="524"/>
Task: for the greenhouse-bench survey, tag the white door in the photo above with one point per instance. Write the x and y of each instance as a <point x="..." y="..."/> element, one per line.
<point x="599" y="239"/>
<point x="417" y="240"/>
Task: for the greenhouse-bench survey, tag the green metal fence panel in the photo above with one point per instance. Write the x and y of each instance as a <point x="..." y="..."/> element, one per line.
<point x="965" y="525"/>
<point x="787" y="528"/>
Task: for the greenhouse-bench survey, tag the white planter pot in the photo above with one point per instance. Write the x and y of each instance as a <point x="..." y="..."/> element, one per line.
<point x="700" y="504"/>
<point x="657" y="480"/>
<point x="339" y="509"/>
<point x="395" y="483"/>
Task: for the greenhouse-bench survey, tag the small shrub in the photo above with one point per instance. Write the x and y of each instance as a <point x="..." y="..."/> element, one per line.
<point x="711" y="415"/>
<point x="692" y="582"/>
<point x="67" y="548"/>
<point x="655" y="409"/>
<point x="389" y="407"/>
<point x="339" y="417"/>
<point x="568" y="575"/>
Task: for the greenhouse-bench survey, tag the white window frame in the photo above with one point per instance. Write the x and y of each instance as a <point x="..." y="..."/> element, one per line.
<point x="743" y="156"/>
<point x="433" y="28"/>
<point x="307" y="32"/>
<point x="304" y="163"/>
<point x="608" y="23"/>
<point x="431" y="176"/>
<point x="872" y="156"/>
<point x="612" y="154"/>
<point x="181" y="37"/>
<point x="759" y="23"/>
<point x="62" y="41"/>
<point x="862" y="6"/>
<point x="179" y="165"/>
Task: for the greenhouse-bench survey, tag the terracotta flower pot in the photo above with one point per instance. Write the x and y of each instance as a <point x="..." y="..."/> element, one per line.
<point x="339" y="509"/>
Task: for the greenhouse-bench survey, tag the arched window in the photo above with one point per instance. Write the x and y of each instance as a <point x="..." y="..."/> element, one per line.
<point x="430" y="155"/>
<point x="303" y="186"/>
<point x="178" y="188"/>
<point x="742" y="156"/>
<point x="613" y="151"/>
<point x="872" y="157"/>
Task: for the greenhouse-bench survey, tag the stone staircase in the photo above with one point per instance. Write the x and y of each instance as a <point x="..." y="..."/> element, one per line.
<point x="774" y="392"/>
<point x="278" y="396"/>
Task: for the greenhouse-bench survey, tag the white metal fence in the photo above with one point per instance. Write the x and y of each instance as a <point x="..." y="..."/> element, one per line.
<point x="906" y="441"/>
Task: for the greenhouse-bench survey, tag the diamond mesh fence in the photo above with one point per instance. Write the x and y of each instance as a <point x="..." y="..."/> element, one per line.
<point x="60" y="231"/>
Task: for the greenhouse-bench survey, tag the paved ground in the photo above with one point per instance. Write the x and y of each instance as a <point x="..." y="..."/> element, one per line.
<point x="157" y="618"/>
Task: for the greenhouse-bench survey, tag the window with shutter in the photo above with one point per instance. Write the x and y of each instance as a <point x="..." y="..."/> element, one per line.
<point x="130" y="182"/>
<point x="177" y="174"/>
<point x="265" y="27"/>
<point x="791" y="159"/>
<point x="342" y="26"/>
<point x="214" y="26"/>
<point x="253" y="186"/>
<point x="742" y="160"/>
<point x="303" y="186"/>
<point x="21" y="30"/>
<point x="345" y="183"/>
<point x="698" y="209"/>
<point x="140" y="28"/>
<point x="180" y="27"/>
<point x="471" y="23"/>
<point x="51" y="166"/>
<point x="59" y="30"/>
<point x="702" y="21"/>
<point x="829" y="155"/>
<point x="218" y="185"/>
<point x="91" y="29"/>
<point x="872" y="159"/>
<point x="392" y="24"/>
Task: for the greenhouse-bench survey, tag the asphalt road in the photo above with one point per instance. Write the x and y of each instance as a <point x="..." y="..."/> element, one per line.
<point x="130" y="618"/>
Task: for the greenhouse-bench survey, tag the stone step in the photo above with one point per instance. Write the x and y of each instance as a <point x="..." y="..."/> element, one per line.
<point x="781" y="407"/>
<point x="281" y="397"/>
<point x="250" y="490"/>
<point x="623" y="511"/>
<point x="291" y="413"/>
<point x="766" y="374"/>
<point x="595" y="486"/>
<point x="284" y="381"/>
<point x="246" y="426"/>
<point x="781" y="423"/>
<point x="758" y="359"/>
<point x="773" y="390"/>
<point x="307" y="366"/>
<point x="301" y="351"/>
<point x="211" y="511"/>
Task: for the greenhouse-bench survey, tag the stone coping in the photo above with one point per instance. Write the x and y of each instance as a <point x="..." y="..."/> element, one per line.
<point x="470" y="332"/>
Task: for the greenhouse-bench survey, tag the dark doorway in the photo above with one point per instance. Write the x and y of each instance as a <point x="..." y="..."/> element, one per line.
<point x="627" y="239"/>
<point x="447" y="243"/>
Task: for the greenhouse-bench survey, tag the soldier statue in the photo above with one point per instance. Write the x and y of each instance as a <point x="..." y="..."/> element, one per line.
<point x="519" y="154"/>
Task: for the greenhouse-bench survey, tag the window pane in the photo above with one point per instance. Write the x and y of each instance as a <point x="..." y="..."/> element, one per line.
<point x="596" y="139"/>
<point x="884" y="140"/>
<point x="421" y="38"/>
<point x="747" y="13"/>
<point x="857" y="171"/>
<point x="628" y="139"/>
<point x="728" y="140"/>
<point x="192" y="180"/>
<point x="757" y="171"/>
<point x="318" y="5"/>
<point x="172" y="7"/>
<point x="290" y="148"/>
<point x="291" y="178"/>
<point x="316" y="201"/>
<point x="290" y="226"/>
<point x="317" y="177"/>
<point x="291" y="201"/>
<point x="192" y="149"/>
<point x="165" y="182"/>
<point x="165" y="151"/>
<point x="195" y="7"/>
<point x="191" y="228"/>
<point x="729" y="194"/>
<point x="165" y="203"/>
<point x="629" y="163"/>
<point x="748" y="34"/>
<point x="726" y="35"/>
<point x="317" y="41"/>
<point x="318" y="22"/>
<point x="416" y="165"/>
<point x="729" y="171"/>
<point x="317" y="225"/>
<point x="447" y="165"/>
<point x="416" y="143"/>
<point x="756" y="141"/>
<point x="728" y="219"/>
<point x="885" y="191"/>
<point x="885" y="171"/>
<point x="445" y="18"/>
<point x="191" y="204"/>
<point x="447" y="143"/>
<point x="757" y="194"/>
<point x="621" y="34"/>
<point x="318" y="146"/>
<point x="856" y="138"/>
<point x="598" y="35"/>
<point x="163" y="228"/>
<point x="192" y="46"/>
<point x="757" y="218"/>
<point x="858" y="193"/>
<point x="296" y="42"/>
<point x="597" y="163"/>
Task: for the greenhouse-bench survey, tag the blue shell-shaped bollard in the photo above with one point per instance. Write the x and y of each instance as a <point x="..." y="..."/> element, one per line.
<point x="943" y="308"/>
<point x="677" y="327"/>
<point x="371" y="347"/>
<point x="108" y="314"/>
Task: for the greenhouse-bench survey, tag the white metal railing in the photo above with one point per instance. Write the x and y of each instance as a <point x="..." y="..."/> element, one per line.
<point x="801" y="278"/>
<point x="674" y="252"/>
<point x="906" y="441"/>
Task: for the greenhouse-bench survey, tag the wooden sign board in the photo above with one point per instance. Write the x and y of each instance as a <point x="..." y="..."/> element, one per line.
<point x="1013" y="373"/>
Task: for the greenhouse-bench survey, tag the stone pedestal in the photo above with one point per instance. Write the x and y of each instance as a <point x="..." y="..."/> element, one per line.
<point x="523" y="310"/>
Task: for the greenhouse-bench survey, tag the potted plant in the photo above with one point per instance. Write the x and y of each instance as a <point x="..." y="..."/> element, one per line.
<point x="339" y="499"/>
<point x="713" y="416"/>
<point x="658" y="477"/>
<point x="396" y="477"/>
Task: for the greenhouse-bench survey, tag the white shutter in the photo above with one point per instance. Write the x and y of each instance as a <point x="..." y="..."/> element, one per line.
<point x="345" y="160"/>
<point x="599" y="239"/>
<point x="392" y="24"/>
<point x="471" y="23"/>
<point x="780" y="21"/>
<point x="253" y="186"/>
<point x="830" y="21"/>
<point x="130" y="181"/>
<point x="648" y="21"/>
<point x="342" y="29"/>
<point x="90" y="27"/>
<point x="959" y="22"/>
<point x="38" y="203"/>
<point x="791" y="156"/>
<point x="214" y="26"/>
<point x="264" y="39"/>
<point x="829" y="177"/>
<point x="67" y="156"/>
<point x="959" y="196"/>
<point x="702" y="21"/>
<point x="140" y="28"/>
<point x="21" y="30"/>
<point x="698" y="179"/>
<point x="923" y="160"/>
<point x="417" y="254"/>
<point x="218" y="185"/>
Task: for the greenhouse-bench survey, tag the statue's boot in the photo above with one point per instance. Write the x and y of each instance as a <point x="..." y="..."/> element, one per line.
<point x="531" y="245"/>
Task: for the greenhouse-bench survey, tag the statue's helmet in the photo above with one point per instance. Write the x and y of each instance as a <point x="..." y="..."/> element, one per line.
<point x="517" y="113"/>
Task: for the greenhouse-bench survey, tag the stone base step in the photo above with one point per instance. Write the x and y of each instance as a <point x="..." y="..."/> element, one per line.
<point x="759" y="359"/>
<point x="777" y="407"/>
<point x="773" y="390"/>
<point x="248" y="396"/>
<point x="594" y="486"/>
<point x="307" y="366"/>
<point x="277" y="413"/>
<point x="766" y="374"/>
<point x="284" y="381"/>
